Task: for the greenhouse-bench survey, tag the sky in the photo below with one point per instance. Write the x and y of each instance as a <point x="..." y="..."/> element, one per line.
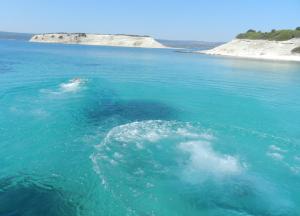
<point x="202" y="20"/>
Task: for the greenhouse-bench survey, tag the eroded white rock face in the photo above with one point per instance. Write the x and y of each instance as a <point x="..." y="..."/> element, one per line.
<point x="260" y="49"/>
<point x="98" y="39"/>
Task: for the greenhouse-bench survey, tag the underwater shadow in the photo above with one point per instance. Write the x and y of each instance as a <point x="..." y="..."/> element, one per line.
<point x="129" y="111"/>
<point x="26" y="196"/>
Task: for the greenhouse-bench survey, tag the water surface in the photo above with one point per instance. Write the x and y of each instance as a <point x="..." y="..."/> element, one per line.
<point x="146" y="132"/>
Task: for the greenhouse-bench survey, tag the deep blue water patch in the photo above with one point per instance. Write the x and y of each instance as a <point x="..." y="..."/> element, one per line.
<point x="27" y="196"/>
<point x="129" y="111"/>
<point x="7" y="66"/>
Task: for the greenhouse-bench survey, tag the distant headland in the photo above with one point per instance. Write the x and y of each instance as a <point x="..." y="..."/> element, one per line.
<point x="122" y="40"/>
<point x="281" y="45"/>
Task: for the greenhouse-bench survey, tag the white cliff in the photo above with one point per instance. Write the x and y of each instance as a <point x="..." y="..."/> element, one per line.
<point x="258" y="49"/>
<point x="98" y="39"/>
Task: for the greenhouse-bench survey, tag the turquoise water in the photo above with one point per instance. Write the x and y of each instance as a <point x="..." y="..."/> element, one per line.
<point x="146" y="132"/>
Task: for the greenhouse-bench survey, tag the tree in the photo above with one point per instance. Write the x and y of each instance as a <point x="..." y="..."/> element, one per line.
<point x="251" y="30"/>
<point x="298" y="28"/>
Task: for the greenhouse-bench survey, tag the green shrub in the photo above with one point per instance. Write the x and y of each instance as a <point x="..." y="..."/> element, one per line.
<point x="297" y="34"/>
<point x="275" y="35"/>
<point x="296" y="50"/>
<point x="283" y="35"/>
<point x="60" y="37"/>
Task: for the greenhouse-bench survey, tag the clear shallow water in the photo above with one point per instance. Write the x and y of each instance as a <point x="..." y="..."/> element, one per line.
<point x="147" y="132"/>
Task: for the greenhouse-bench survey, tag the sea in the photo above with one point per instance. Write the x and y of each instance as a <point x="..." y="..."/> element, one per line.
<point x="92" y="131"/>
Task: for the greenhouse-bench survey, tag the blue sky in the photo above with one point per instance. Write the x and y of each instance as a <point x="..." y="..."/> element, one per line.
<point x="207" y="20"/>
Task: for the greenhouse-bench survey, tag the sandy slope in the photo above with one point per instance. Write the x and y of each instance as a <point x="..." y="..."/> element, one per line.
<point x="258" y="49"/>
<point x="99" y="39"/>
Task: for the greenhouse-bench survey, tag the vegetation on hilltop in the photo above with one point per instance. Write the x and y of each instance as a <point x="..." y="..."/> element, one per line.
<point x="274" y="35"/>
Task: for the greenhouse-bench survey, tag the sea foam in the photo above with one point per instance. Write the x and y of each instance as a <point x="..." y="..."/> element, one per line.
<point x="161" y="143"/>
<point x="138" y="160"/>
<point x="202" y="158"/>
<point x="72" y="86"/>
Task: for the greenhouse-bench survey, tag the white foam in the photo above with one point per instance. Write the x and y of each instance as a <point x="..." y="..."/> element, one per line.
<point x="203" y="158"/>
<point x="275" y="155"/>
<point x="155" y="130"/>
<point x="276" y="148"/>
<point x="276" y="152"/>
<point x="191" y="141"/>
<point x="72" y="86"/>
<point x="187" y="133"/>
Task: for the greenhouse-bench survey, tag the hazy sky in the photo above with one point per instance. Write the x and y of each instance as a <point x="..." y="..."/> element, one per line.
<point x="208" y="20"/>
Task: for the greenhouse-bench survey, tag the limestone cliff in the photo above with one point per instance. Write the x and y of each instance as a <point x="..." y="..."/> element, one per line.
<point x="259" y="49"/>
<point x="98" y="39"/>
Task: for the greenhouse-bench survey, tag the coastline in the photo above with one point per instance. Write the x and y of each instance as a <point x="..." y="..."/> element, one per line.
<point x="257" y="49"/>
